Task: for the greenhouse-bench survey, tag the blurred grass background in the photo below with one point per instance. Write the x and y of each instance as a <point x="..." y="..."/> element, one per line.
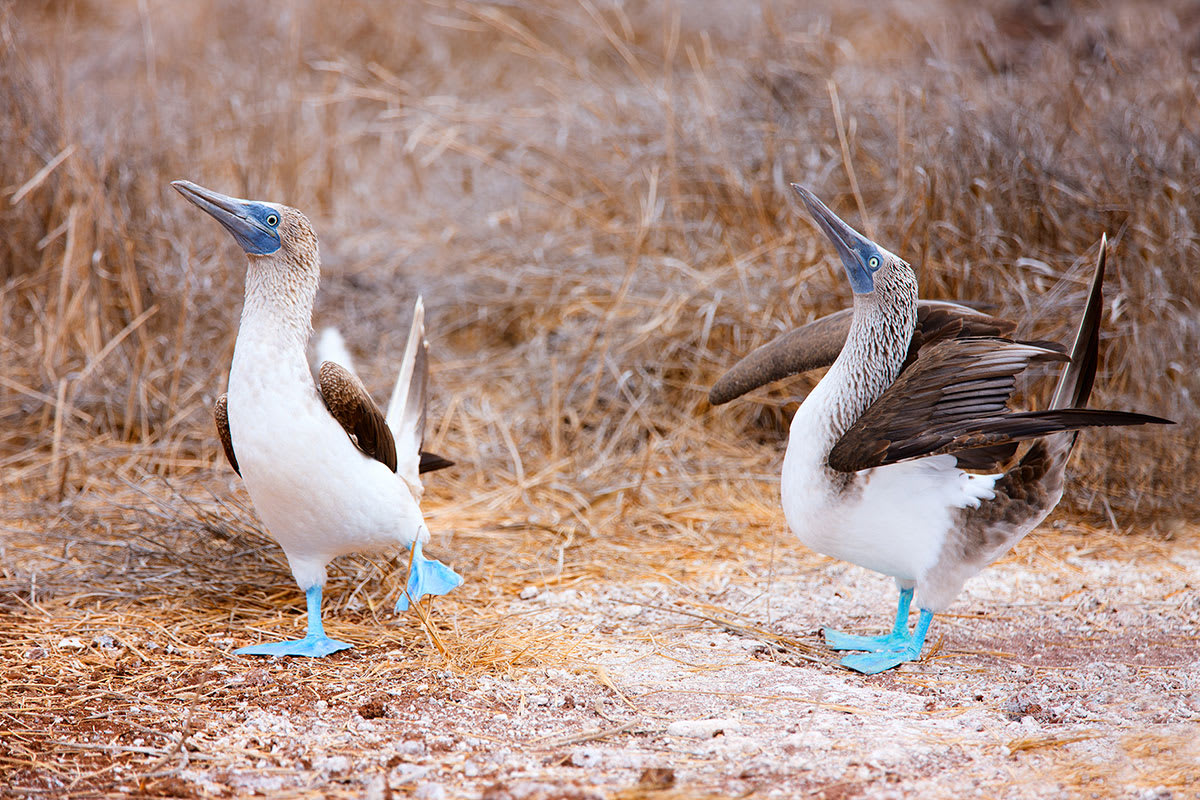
<point x="592" y="197"/>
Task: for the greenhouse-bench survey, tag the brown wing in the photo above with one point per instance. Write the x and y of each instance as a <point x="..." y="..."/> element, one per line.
<point x="954" y="399"/>
<point x="818" y="344"/>
<point x="350" y="404"/>
<point x="221" y="416"/>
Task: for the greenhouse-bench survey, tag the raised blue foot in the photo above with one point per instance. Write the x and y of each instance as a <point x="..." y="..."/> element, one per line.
<point x="426" y="576"/>
<point x="897" y="638"/>
<point x="906" y="649"/>
<point x="315" y="644"/>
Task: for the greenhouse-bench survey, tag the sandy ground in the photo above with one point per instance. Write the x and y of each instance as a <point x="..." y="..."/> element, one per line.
<point x="1064" y="671"/>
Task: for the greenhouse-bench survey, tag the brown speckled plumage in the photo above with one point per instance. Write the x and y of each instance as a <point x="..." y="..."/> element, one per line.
<point x="351" y="405"/>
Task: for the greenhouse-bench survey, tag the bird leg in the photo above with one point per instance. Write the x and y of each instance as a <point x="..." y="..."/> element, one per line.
<point x="426" y="576"/>
<point x="906" y="649"/>
<point x="315" y="643"/>
<point x="836" y="640"/>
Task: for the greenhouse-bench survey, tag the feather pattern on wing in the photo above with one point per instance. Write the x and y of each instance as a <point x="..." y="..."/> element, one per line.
<point x="954" y="399"/>
<point x="350" y="404"/>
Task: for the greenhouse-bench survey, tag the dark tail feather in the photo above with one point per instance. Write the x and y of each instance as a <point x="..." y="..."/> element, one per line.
<point x="432" y="461"/>
<point x="1075" y="384"/>
<point x="1031" y="424"/>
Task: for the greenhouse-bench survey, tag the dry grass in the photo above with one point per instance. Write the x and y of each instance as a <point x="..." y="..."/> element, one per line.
<point x="593" y="200"/>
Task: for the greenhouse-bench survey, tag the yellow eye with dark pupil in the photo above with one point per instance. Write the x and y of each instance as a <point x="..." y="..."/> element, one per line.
<point x="272" y="220"/>
<point x="874" y="262"/>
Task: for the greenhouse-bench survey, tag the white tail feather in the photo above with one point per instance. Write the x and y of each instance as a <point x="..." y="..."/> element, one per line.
<point x="406" y="408"/>
<point x="332" y="347"/>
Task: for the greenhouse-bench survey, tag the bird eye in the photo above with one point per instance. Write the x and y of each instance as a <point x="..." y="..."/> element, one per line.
<point x="873" y="262"/>
<point x="272" y="220"/>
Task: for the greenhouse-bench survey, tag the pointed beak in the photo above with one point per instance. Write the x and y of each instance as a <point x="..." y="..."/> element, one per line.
<point x="236" y="215"/>
<point x="848" y="242"/>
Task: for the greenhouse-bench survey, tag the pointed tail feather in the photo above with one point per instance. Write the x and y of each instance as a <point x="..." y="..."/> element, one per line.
<point x="1068" y="412"/>
<point x="430" y="462"/>
<point x="332" y="347"/>
<point x="1075" y="383"/>
<point x="406" y="409"/>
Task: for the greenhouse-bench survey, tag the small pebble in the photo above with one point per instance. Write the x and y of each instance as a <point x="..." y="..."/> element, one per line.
<point x="430" y="791"/>
<point x="702" y="728"/>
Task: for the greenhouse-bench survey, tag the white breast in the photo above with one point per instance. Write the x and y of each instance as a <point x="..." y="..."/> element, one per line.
<point x="890" y="519"/>
<point x="319" y="496"/>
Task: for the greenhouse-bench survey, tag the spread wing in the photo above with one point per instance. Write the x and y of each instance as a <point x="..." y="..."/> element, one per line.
<point x="818" y="344"/>
<point x="221" y="416"/>
<point x="954" y="399"/>
<point x="350" y="404"/>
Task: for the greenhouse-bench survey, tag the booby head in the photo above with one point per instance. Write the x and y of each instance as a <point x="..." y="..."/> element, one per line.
<point x="255" y="225"/>
<point x="863" y="259"/>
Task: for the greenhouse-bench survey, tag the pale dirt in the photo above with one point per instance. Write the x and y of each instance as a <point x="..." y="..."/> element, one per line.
<point x="1057" y="674"/>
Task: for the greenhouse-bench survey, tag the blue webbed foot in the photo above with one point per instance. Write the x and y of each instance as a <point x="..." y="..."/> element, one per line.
<point x="315" y="646"/>
<point x="836" y="640"/>
<point x="426" y="576"/>
<point x="874" y="663"/>
<point x="902" y="647"/>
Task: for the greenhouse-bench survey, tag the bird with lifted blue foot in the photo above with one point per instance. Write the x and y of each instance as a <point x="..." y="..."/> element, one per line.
<point x="328" y="472"/>
<point x="903" y="458"/>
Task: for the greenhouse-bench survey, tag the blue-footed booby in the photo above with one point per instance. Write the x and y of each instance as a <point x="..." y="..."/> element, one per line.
<point x="916" y="394"/>
<point x="328" y="473"/>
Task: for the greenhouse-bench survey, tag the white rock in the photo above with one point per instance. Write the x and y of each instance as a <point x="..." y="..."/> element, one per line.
<point x="430" y="791"/>
<point x="529" y="592"/>
<point x="587" y="757"/>
<point x="702" y="728"/>
<point x="332" y="764"/>
<point x="737" y="746"/>
<point x="71" y="643"/>
<point x="377" y="788"/>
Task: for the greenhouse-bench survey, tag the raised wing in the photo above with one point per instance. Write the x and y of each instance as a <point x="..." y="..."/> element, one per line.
<point x="818" y="344"/>
<point x="954" y="399"/>
<point x="221" y="416"/>
<point x="350" y="404"/>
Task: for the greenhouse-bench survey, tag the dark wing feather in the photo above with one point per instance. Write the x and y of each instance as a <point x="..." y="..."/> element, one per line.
<point x="221" y="416"/>
<point x="350" y="404"/>
<point x="934" y="404"/>
<point x="954" y="399"/>
<point x="818" y="344"/>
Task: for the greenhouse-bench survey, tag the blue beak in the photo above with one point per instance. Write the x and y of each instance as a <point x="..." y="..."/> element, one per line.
<point x="246" y="220"/>
<point x="849" y="243"/>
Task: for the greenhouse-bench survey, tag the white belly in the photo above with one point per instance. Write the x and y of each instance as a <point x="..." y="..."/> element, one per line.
<point x="317" y="494"/>
<point x="891" y="519"/>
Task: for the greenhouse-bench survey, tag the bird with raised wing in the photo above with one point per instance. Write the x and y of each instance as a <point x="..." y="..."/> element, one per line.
<point x="328" y="472"/>
<point x="917" y="392"/>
